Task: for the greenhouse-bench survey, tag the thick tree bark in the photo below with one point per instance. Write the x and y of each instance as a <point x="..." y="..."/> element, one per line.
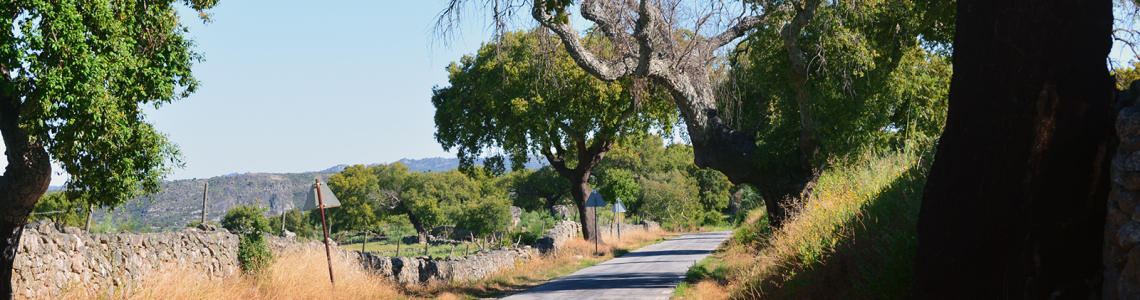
<point x="1014" y="205"/>
<point x="25" y="180"/>
<point x="579" y="176"/>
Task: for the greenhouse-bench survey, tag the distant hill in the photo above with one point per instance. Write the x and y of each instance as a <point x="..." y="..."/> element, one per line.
<point x="180" y="201"/>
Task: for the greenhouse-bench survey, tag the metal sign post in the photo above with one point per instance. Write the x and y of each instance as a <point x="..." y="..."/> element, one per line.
<point x="316" y="200"/>
<point x="596" y="201"/>
<point x="618" y="209"/>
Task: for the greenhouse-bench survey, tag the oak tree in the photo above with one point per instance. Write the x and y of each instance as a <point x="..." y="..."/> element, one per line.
<point x="74" y="75"/>
<point x="525" y="95"/>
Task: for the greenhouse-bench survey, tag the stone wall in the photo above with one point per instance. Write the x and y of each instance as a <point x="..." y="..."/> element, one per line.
<point x="48" y="260"/>
<point x="1122" y="230"/>
<point x="612" y="229"/>
<point x="558" y="235"/>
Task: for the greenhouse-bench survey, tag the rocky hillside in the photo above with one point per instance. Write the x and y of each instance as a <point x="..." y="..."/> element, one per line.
<point x="180" y="201"/>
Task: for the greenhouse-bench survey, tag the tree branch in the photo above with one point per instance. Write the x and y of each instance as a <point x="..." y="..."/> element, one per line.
<point x="602" y="69"/>
<point x="732" y="33"/>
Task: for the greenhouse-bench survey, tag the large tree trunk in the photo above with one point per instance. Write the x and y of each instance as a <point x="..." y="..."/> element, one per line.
<point x="579" y="176"/>
<point x="1014" y="205"/>
<point x="421" y="231"/>
<point x="25" y="180"/>
<point x="581" y="191"/>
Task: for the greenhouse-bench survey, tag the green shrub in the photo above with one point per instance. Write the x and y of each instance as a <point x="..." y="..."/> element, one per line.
<point x="245" y="219"/>
<point x="254" y="254"/>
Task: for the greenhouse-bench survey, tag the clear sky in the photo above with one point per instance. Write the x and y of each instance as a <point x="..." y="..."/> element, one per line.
<point x="295" y="86"/>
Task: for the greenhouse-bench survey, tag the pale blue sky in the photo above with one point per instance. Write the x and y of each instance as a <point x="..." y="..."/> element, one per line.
<point x="295" y="86"/>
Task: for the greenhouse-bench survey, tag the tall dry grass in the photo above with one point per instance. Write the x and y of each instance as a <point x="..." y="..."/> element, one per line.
<point x="298" y="275"/>
<point x="304" y="275"/>
<point x="850" y="240"/>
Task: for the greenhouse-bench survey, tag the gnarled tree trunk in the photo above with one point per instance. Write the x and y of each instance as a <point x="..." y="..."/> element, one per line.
<point x="579" y="176"/>
<point x="25" y="180"/>
<point x="1014" y="205"/>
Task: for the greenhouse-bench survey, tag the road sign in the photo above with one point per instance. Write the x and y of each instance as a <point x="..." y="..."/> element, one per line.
<point x="595" y="200"/>
<point x="326" y="195"/>
<point x="618" y="207"/>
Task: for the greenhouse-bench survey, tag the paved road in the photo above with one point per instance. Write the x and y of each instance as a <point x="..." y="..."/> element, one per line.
<point x="648" y="273"/>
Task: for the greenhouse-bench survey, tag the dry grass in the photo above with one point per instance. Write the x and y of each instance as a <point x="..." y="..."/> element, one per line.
<point x="303" y="275"/>
<point x="839" y="245"/>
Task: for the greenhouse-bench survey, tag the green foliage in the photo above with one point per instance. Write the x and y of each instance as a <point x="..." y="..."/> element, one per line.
<point x="79" y="72"/>
<point x="296" y="222"/>
<point x="867" y="95"/>
<point x="672" y="198"/>
<point x="356" y="188"/>
<point x="254" y="254"/>
<point x="246" y="219"/>
<point x="61" y="209"/>
<point x="1125" y="76"/>
<point x="714" y="187"/>
<point x="525" y="95"/>
<point x="534" y="190"/>
<point x="620" y="184"/>
<point x="531" y="227"/>
<point x="492" y="214"/>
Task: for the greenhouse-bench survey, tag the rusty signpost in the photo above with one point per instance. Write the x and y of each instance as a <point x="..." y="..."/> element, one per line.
<point x="317" y="200"/>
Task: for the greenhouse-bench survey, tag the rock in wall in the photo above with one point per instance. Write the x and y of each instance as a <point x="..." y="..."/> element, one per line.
<point x="558" y="235"/>
<point x="1122" y="226"/>
<point x="49" y="260"/>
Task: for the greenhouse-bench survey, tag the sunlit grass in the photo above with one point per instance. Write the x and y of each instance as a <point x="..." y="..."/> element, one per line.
<point x="854" y="238"/>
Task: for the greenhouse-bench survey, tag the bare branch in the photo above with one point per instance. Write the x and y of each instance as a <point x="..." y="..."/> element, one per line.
<point x="709" y="46"/>
<point x="602" y="69"/>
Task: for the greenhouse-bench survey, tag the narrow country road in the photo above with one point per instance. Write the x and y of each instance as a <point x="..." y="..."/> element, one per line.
<point x="647" y="273"/>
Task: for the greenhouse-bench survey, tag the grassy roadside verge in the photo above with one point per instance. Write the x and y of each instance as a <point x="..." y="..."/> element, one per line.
<point x="854" y="240"/>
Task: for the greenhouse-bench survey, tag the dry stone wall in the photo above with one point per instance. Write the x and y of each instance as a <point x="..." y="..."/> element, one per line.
<point x="1122" y="226"/>
<point x="49" y="260"/>
<point x="52" y="260"/>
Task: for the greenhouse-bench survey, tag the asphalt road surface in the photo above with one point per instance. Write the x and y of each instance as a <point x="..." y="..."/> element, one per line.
<point x="651" y="272"/>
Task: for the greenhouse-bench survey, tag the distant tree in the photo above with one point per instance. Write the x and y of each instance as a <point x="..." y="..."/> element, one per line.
<point x="620" y="184"/>
<point x="714" y="192"/>
<point x="490" y="215"/>
<point x="538" y="190"/>
<point x="246" y="219"/>
<point x="61" y="209"/>
<point x="73" y="75"/>
<point x="295" y="221"/>
<point x="671" y="198"/>
<point x="525" y="96"/>
<point x="356" y="188"/>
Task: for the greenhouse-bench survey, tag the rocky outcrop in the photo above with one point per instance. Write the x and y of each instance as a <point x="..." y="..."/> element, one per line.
<point x="1122" y="225"/>
<point x="49" y="260"/>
